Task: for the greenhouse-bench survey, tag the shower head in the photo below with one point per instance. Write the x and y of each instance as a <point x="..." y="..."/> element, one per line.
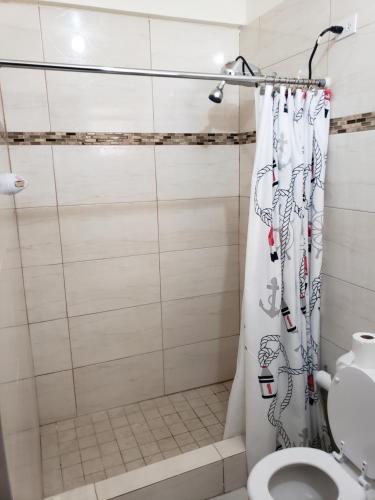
<point x="216" y="95"/>
<point x="236" y="67"/>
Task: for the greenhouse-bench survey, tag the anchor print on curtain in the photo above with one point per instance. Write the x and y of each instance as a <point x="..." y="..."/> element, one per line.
<point x="274" y="396"/>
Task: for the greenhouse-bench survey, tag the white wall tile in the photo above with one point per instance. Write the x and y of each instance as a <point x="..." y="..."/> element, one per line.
<point x="115" y="334"/>
<point x="51" y="346"/>
<point x="100" y="285"/>
<point x="188" y="273"/>
<point x="354" y="82"/>
<point x="290" y="28"/>
<point x="45" y="296"/>
<point x="15" y="354"/>
<point x="104" y="174"/>
<point x="101" y="38"/>
<point x="200" y="364"/>
<point x="348" y="187"/>
<point x="39" y="236"/>
<point x="345" y="309"/>
<point x="55" y="396"/>
<point x="99" y="103"/>
<point x="35" y="163"/>
<point x="349" y="239"/>
<point x="244" y="220"/>
<point x="12" y="298"/>
<point x="198" y="223"/>
<point x="183" y="106"/>
<point x="206" y="317"/>
<point x="25" y="106"/>
<point x="185" y="172"/>
<point x="103" y="231"/>
<point x="20" y="36"/>
<point x="106" y="385"/>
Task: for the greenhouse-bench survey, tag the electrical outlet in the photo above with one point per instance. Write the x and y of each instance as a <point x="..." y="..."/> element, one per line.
<point x="350" y="26"/>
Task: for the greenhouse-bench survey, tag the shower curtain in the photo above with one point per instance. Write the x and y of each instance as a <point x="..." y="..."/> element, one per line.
<point x="274" y="396"/>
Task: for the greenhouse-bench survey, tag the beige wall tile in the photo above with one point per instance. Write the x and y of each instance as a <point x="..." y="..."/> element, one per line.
<point x="345" y="309"/>
<point x="24" y="462"/>
<point x="247" y="158"/>
<point x="349" y="239"/>
<point x="235" y="472"/>
<point x="183" y="105"/>
<point x="39" y="236"/>
<point x="200" y="364"/>
<point x="329" y="353"/>
<point x="116" y="383"/>
<point x="82" y="493"/>
<point x="199" y="223"/>
<point x="249" y="48"/>
<point x="204" y="47"/>
<point x="354" y="82"/>
<point x="344" y="8"/>
<point x="45" y="295"/>
<point x="106" y="37"/>
<point x="199" y="484"/>
<point x="51" y="346"/>
<point x="101" y="285"/>
<point x="348" y="187"/>
<point x="115" y="334"/>
<point x="206" y="317"/>
<point x="15" y="354"/>
<point x="185" y="172"/>
<point x="189" y="273"/>
<point x="157" y="473"/>
<point x="280" y="37"/>
<point x="100" y="103"/>
<point x="55" y="396"/>
<point x="20" y="32"/>
<point x="35" y="163"/>
<point x="244" y="219"/>
<point x="25" y="106"/>
<point x="103" y="231"/>
<point x="12" y="298"/>
<point x="104" y="174"/>
<point x="18" y="406"/>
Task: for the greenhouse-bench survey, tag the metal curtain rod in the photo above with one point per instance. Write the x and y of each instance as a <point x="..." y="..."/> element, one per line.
<point x="247" y="81"/>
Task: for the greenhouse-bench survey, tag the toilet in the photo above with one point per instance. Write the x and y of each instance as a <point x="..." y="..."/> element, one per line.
<point x="311" y="474"/>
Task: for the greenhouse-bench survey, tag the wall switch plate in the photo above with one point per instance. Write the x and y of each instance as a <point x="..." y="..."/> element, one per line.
<point x="350" y="26"/>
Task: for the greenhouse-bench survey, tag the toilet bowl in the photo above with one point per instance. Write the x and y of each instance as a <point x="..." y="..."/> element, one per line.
<point x="302" y="474"/>
<point x="311" y="474"/>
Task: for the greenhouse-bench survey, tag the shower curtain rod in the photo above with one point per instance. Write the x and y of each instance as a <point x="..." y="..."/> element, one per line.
<point x="247" y="81"/>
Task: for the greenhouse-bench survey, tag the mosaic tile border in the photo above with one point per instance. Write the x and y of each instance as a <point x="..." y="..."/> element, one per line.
<point x="128" y="139"/>
<point x="342" y="125"/>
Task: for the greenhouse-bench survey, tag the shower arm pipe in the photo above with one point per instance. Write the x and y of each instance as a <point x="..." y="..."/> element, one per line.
<point x="247" y="81"/>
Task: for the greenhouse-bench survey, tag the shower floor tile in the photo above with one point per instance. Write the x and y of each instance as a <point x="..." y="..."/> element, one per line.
<point x="92" y="447"/>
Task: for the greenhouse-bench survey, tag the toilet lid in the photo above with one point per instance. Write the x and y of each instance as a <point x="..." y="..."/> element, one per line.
<point x="351" y="413"/>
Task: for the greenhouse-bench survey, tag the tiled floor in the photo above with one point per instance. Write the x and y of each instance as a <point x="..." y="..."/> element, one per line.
<point x="100" y="445"/>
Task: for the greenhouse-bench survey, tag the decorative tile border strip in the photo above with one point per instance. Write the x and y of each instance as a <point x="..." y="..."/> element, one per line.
<point x="341" y="125"/>
<point x="353" y="123"/>
<point x="128" y="139"/>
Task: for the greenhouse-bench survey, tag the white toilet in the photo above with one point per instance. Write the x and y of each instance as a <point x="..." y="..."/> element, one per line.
<point x="310" y="474"/>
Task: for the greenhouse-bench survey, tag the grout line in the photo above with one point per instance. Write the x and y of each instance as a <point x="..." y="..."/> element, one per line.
<point x="348" y="282"/>
<point x="331" y="207"/>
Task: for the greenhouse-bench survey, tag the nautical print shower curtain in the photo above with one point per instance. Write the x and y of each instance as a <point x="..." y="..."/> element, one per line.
<point x="274" y="396"/>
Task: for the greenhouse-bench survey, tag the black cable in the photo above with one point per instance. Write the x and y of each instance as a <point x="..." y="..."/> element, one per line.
<point x="333" y="29"/>
<point x="245" y="64"/>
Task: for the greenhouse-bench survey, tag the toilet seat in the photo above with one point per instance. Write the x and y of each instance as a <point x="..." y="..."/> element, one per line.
<point x="258" y="482"/>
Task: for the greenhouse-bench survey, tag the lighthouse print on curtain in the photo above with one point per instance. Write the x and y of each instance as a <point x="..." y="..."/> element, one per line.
<point x="274" y="396"/>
